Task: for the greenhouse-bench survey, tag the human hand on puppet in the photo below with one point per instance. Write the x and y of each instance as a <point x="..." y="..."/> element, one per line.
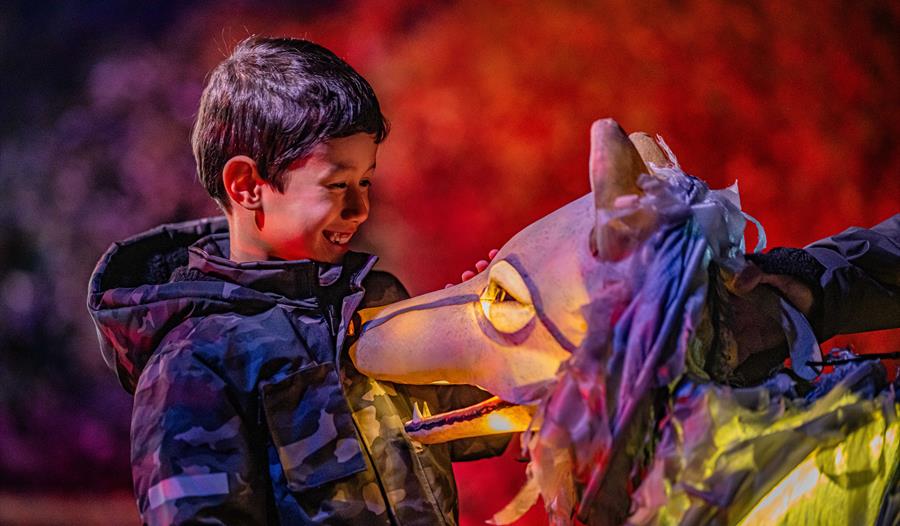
<point x="480" y="265"/>
<point x="753" y="314"/>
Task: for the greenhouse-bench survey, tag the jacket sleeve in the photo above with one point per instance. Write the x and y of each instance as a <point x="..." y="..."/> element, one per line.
<point x="191" y="453"/>
<point x="860" y="280"/>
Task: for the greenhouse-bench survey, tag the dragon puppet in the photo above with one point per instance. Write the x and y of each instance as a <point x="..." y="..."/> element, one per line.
<point x="602" y="332"/>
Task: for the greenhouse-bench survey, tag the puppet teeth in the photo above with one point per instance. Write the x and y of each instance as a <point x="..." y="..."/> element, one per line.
<point x="425" y="411"/>
<point x="489" y="417"/>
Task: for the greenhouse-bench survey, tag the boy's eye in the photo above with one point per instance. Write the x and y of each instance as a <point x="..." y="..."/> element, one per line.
<point x="365" y="183"/>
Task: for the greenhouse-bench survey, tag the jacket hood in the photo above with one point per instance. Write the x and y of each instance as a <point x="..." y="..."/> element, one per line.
<point x="145" y="286"/>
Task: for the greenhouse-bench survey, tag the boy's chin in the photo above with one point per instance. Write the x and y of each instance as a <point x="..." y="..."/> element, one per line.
<point x="331" y="254"/>
<point x="326" y="254"/>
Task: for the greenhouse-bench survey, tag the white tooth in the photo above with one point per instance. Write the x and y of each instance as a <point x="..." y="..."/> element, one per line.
<point x="425" y="411"/>
<point x="416" y="416"/>
<point x="339" y="238"/>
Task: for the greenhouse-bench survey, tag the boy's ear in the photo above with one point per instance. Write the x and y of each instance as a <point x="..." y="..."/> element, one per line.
<point x="242" y="182"/>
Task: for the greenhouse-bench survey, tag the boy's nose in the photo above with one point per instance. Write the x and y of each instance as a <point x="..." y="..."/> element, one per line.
<point x="356" y="206"/>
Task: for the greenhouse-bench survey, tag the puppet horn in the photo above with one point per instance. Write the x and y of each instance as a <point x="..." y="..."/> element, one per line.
<point x="615" y="165"/>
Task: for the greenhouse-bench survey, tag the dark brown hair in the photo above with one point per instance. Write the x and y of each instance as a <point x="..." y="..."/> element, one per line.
<point x="273" y="100"/>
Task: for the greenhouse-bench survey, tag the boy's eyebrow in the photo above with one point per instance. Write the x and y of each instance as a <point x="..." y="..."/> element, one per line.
<point x="339" y="166"/>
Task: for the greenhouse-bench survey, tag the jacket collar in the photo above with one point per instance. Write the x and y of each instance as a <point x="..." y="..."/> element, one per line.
<point x="298" y="279"/>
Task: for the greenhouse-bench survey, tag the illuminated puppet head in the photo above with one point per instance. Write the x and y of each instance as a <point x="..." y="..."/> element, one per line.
<point x="508" y="329"/>
<point x="514" y="324"/>
<point x="583" y="325"/>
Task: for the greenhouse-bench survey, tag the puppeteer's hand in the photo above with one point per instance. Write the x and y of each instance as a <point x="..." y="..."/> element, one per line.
<point x="753" y="318"/>
<point x="793" y="290"/>
<point x="480" y="265"/>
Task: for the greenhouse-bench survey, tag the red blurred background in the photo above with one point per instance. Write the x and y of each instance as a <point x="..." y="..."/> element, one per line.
<point x="490" y="105"/>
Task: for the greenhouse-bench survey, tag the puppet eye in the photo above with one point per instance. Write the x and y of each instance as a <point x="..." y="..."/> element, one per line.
<point x="506" y="301"/>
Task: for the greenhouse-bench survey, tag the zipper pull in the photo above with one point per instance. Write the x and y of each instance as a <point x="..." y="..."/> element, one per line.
<point x="331" y="322"/>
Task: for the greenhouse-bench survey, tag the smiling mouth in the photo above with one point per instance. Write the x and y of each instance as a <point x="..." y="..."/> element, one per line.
<point x="337" y="238"/>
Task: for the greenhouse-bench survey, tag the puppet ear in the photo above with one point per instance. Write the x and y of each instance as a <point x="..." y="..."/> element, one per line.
<point x="615" y="163"/>
<point x="650" y="151"/>
<point x="615" y="166"/>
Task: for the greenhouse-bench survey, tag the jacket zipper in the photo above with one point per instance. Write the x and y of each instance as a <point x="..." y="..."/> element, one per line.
<point x="332" y="325"/>
<point x="335" y="327"/>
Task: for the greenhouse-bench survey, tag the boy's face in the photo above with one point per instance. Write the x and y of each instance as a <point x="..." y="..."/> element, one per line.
<point x="325" y="200"/>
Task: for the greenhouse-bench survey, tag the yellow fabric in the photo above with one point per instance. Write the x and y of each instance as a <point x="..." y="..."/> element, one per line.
<point x="767" y="461"/>
<point x="837" y="484"/>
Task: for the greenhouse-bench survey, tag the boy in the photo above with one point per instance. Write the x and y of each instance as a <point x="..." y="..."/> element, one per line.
<point x="231" y="333"/>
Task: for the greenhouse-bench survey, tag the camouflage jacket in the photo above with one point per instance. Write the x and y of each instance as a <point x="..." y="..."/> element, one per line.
<point x="244" y="410"/>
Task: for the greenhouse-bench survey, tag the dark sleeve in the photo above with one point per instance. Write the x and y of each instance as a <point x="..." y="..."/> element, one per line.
<point x="383" y="288"/>
<point x="468" y="449"/>
<point x="191" y="455"/>
<point x="854" y="277"/>
<point x="860" y="283"/>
